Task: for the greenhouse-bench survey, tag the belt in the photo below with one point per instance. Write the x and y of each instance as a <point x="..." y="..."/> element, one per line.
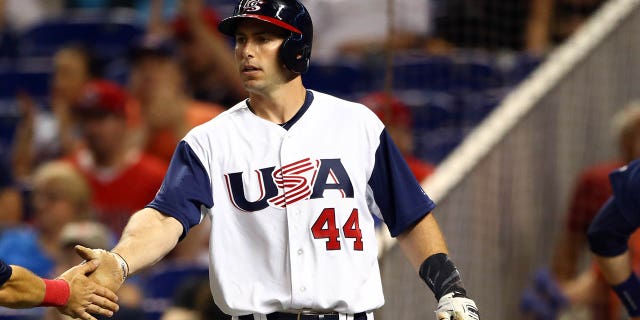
<point x="305" y="315"/>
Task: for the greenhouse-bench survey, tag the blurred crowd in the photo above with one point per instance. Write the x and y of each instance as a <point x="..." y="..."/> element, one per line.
<point x="109" y="121"/>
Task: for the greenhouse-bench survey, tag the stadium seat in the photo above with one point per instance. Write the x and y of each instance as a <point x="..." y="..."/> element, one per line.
<point x="340" y="79"/>
<point x="47" y="37"/>
<point x="475" y="76"/>
<point x="431" y="109"/>
<point x="434" y="145"/>
<point x="8" y="121"/>
<point x="520" y="67"/>
<point x="35" y="83"/>
<point x="475" y="106"/>
<point x="431" y="73"/>
<point x="160" y="285"/>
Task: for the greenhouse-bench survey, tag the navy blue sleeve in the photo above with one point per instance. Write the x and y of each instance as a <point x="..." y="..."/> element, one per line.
<point x="610" y="230"/>
<point x="186" y="187"/>
<point x="625" y="183"/>
<point x="396" y="191"/>
<point x="5" y="272"/>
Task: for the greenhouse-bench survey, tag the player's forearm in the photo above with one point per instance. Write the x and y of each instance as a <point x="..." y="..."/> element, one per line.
<point x="615" y="269"/>
<point x="147" y="238"/>
<point x="23" y="290"/>
<point x="422" y="240"/>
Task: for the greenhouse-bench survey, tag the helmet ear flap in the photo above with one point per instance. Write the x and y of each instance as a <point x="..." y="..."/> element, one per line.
<point x="295" y="54"/>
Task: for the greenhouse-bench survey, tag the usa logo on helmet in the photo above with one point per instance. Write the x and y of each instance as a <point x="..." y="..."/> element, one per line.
<point x="252" y="5"/>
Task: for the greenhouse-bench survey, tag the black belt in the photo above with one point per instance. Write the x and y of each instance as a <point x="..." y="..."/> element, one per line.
<point x="305" y="316"/>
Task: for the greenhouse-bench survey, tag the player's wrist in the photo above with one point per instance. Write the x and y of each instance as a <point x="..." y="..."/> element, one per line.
<point x="56" y="293"/>
<point x="629" y="293"/>
<point x="442" y="276"/>
<point x="123" y="265"/>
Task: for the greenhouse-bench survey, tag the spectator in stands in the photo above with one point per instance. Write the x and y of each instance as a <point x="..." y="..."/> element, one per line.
<point x="8" y="38"/>
<point x="10" y="198"/>
<point x="396" y="117"/>
<point x="60" y="195"/>
<point x="19" y="15"/>
<point x="157" y="86"/>
<point x="206" y="56"/>
<point x="533" y="25"/>
<point x="123" y="179"/>
<point x="355" y="34"/>
<point x="591" y="191"/>
<point x="553" y="21"/>
<point x="40" y="135"/>
<point x="488" y="24"/>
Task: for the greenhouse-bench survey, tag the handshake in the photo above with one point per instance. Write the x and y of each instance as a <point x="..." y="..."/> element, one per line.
<point x="93" y="284"/>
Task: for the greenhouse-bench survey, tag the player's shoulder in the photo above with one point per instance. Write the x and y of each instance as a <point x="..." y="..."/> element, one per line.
<point x="220" y="121"/>
<point x="626" y="178"/>
<point x="345" y="108"/>
<point x="631" y="170"/>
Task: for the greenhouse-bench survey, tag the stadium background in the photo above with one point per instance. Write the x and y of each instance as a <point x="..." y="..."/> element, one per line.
<point x="508" y="129"/>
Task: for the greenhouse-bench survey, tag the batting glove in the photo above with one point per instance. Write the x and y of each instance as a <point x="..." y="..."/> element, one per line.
<point x="456" y="307"/>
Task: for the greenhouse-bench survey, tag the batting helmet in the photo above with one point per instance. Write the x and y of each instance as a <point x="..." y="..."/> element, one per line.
<point x="290" y="15"/>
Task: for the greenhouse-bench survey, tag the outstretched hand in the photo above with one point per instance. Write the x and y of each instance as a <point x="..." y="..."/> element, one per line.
<point x="86" y="296"/>
<point x="109" y="273"/>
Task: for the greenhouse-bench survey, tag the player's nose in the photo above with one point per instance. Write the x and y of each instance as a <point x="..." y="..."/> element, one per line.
<point x="247" y="50"/>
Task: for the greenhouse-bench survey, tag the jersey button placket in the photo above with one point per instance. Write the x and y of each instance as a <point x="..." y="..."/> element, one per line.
<point x="294" y="226"/>
<point x="297" y="256"/>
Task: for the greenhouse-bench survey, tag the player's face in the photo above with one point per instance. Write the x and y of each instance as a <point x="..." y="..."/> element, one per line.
<point x="256" y="52"/>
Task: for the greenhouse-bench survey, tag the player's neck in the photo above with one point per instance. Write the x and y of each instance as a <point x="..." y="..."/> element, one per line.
<point x="279" y="105"/>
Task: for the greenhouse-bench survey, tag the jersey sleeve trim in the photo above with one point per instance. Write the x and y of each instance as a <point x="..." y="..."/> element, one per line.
<point x="396" y="192"/>
<point x="186" y="189"/>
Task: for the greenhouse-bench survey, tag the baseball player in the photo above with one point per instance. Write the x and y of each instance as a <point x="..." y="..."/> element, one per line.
<point x="290" y="178"/>
<point x="72" y="292"/>
<point x="610" y="230"/>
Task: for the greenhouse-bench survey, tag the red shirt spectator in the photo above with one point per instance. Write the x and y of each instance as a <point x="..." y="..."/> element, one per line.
<point x="591" y="192"/>
<point x="122" y="178"/>
<point x="118" y="193"/>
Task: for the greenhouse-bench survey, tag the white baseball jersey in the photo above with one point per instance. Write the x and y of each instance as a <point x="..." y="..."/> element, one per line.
<point x="291" y="205"/>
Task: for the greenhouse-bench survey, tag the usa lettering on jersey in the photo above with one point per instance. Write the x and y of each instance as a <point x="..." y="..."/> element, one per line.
<point x="301" y="180"/>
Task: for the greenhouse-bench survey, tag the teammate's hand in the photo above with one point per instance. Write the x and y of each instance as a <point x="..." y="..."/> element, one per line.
<point x="109" y="274"/>
<point x="452" y="307"/>
<point x="86" y="296"/>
